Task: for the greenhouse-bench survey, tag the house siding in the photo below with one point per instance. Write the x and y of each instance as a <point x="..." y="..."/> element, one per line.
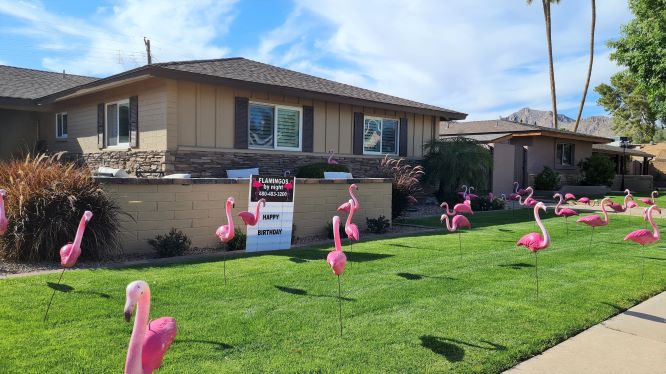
<point x="206" y="116"/>
<point x="22" y="126"/>
<point x="82" y="118"/>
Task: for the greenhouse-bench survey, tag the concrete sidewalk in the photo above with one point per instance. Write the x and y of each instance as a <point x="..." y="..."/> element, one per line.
<point x="631" y="342"/>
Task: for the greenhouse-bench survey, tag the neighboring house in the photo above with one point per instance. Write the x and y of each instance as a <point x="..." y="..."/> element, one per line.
<point x="205" y="117"/>
<point x="521" y="151"/>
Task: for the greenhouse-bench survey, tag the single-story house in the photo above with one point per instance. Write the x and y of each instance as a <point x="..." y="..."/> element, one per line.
<point x="521" y="151"/>
<point x="205" y="117"/>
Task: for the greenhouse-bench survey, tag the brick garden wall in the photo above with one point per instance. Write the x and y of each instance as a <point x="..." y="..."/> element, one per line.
<point x="198" y="209"/>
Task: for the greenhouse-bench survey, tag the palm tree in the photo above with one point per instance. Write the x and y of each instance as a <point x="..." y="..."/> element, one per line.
<point x="589" y="68"/>
<point x="546" y="15"/>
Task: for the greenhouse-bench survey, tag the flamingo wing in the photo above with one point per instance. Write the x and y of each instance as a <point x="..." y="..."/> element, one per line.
<point x="69" y="254"/>
<point x="344" y="207"/>
<point x="569" y="196"/>
<point x="337" y="260"/>
<point x="463" y="209"/>
<point x="248" y="218"/>
<point x="616" y="207"/>
<point x="159" y="336"/>
<point x="631" y="204"/>
<point x="584" y="200"/>
<point x="460" y="221"/>
<point x="567" y="212"/>
<point x="224" y="233"/>
<point x="593" y="220"/>
<point x="641" y="237"/>
<point x="645" y="200"/>
<point x="530" y="241"/>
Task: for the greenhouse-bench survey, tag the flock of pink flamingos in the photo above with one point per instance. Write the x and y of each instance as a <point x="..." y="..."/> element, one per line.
<point x="151" y="339"/>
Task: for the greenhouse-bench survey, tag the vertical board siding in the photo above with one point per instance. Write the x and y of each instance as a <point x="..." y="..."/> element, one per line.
<point x="332" y="126"/>
<point x="187" y="103"/>
<point x="308" y="128"/>
<point x="224" y="117"/>
<point x="346" y="127"/>
<point x="241" y="112"/>
<point x="205" y="116"/>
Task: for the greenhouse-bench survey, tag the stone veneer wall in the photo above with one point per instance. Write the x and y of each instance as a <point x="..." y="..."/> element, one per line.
<point x="130" y="161"/>
<point x="197" y="207"/>
<point x="215" y="164"/>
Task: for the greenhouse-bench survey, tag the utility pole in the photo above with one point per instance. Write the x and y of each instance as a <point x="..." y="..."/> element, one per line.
<point x="146" y="41"/>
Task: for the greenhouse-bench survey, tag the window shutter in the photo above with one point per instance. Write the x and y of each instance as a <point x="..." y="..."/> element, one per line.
<point x="402" y="149"/>
<point x="134" y="121"/>
<point x="358" y="133"/>
<point x="308" y="128"/>
<point x="100" y="125"/>
<point x="241" y="109"/>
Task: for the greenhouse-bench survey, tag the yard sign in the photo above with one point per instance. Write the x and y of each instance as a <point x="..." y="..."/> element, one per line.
<point x="273" y="231"/>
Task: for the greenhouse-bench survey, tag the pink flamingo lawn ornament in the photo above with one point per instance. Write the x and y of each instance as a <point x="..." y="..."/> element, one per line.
<point x="459" y="222"/>
<point x="536" y="242"/>
<point x="4" y="222"/>
<point x="252" y="219"/>
<point x="587" y="201"/>
<point x="460" y="208"/>
<point x="644" y="236"/>
<point x="529" y="201"/>
<point x="330" y="160"/>
<point x="150" y="339"/>
<point x="226" y="232"/>
<point x="569" y="196"/>
<point x="470" y="195"/>
<point x="649" y="200"/>
<point x="337" y="260"/>
<point x="69" y="253"/>
<point x="563" y="212"/>
<point x="596" y="221"/>
<point x="620" y="208"/>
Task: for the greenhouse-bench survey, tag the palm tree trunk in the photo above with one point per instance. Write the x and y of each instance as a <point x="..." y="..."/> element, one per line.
<point x="589" y="68"/>
<point x="551" y="69"/>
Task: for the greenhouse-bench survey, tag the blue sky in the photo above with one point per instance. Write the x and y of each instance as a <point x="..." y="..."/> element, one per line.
<point x="486" y="57"/>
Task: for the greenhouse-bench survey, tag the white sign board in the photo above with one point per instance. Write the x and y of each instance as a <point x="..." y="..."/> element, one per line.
<point x="273" y="231"/>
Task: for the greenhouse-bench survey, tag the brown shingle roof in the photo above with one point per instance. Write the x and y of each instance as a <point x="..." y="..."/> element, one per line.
<point x="503" y="126"/>
<point x="20" y="83"/>
<point x="607" y="148"/>
<point x="246" y="70"/>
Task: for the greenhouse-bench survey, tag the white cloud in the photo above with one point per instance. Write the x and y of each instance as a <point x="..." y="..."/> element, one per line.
<point x="471" y="56"/>
<point x="111" y="40"/>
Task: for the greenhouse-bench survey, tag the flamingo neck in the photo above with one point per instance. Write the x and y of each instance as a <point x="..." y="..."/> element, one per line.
<point x="603" y="209"/>
<point x="447" y="210"/>
<point x="230" y="219"/>
<point x="515" y="190"/>
<point x="336" y="232"/>
<point x="546" y="237"/>
<point x="79" y="233"/>
<point x="531" y="193"/>
<point x="349" y="216"/>
<point x="448" y="224"/>
<point x="655" y="228"/>
<point x="557" y="207"/>
<point x="256" y="215"/>
<point x="626" y="199"/>
<point x="330" y="157"/>
<point x="135" y="351"/>
<point x="353" y="196"/>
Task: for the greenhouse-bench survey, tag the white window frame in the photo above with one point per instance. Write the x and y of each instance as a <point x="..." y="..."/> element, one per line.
<point x="64" y="135"/>
<point x="397" y="137"/>
<point x="106" y="125"/>
<point x="573" y="153"/>
<point x="275" y="125"/>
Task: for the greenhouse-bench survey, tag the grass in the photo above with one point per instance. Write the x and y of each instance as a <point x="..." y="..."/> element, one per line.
<point x="410" y="304"/>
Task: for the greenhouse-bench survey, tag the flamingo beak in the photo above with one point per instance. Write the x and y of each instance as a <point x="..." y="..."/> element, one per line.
<point x="129" y="309"/>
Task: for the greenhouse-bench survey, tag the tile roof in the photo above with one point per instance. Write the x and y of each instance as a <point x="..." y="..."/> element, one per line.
<point x="607" y="148"/>
<point x="242" y="69"/>
<point x="504" y="126"/>
<point x="20" y="83"/>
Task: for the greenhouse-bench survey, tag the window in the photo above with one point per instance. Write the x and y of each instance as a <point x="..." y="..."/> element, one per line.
<point x="380" y="136"/>
<point x="117" y="124"/>
<point x="275" y="127"/>
<point x="61" y="125"/>
<point x="565" y="154"/>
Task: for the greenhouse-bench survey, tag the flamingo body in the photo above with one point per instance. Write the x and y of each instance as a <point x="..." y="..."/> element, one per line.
<point x="529" y="201"/>
<point x="460" y="208"/>
<point x="566" y="212"/>
<point x="458" y="222"/>
<point x="345" y="207"/>
<point x="643" y="236"/>
<point x="569" y="196"/>
<point x="70" y="252"/>
<point x="649" y="200"/>
<point x="150" y="339"/>
<point x="594" y="220"/>
<point x="337" y="259"/>
<point x="535" y="241"/>
<point x="617" y="207"/>
<point x="631" y="204"/>
<point x="226" y="232"/>
<point x="252" y="219"/>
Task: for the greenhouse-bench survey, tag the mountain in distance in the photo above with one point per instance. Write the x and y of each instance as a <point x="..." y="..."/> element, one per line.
<point x="594" y="125"/>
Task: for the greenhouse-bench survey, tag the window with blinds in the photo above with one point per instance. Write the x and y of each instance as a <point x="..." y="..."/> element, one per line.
<point x="275" y="127"/>
<point x="61" y="125"/>
<point x="380" y="136"/>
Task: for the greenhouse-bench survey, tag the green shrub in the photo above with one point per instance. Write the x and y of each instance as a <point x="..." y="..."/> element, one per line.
<point x="317" y="170"/>
<point x="329" y="230"/>
<point x="597" y="170"/>
<point x="498" y="204"/>
<point x="238" y="242"/>
<point x="175" y="243"/>
<point x="378" y="225"/>
<point x="406" y="183"/>
<point x="44" y="204"/>
<point x="548" y="179"/>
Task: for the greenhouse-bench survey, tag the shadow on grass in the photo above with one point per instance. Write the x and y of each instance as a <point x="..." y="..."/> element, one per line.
<point x="517" y="265"/>
<point x="67" y="288"/>
<point x="412" y="276"/>
<point x="302" y="292"/>
<point x="400" y="245"/>
<point x="303" y="256"/>
<point x="217" y="345"/>
<point x="451" y="348"/>
<point x="654" y="258"/>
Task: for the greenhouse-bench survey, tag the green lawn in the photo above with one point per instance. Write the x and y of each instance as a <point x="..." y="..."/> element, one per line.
<point x="411" y="305"/>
